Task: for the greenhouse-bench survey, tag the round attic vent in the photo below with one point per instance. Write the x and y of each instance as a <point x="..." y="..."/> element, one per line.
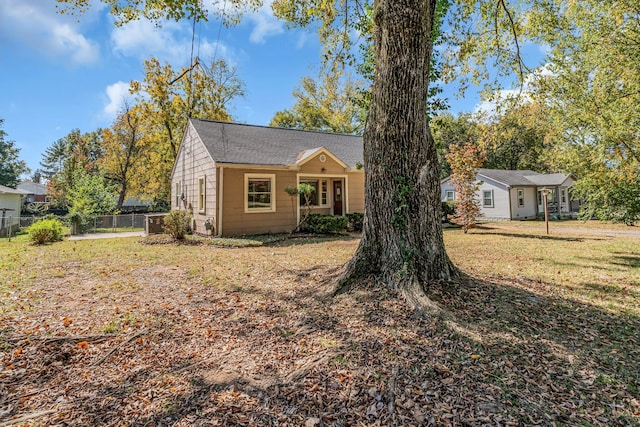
<point x="322" y="158"/>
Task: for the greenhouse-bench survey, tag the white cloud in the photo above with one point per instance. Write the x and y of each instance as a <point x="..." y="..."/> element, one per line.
<point x="266" y="25"/>
<point x="37" y="24"/>
<point x="117" y="94"/>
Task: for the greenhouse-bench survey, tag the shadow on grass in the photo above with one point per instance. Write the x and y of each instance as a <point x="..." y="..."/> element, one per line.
<point x="512" y="354"/>
<point x="496" y="232"/>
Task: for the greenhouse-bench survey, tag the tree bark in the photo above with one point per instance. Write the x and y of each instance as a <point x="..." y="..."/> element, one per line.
<point x="402" y="242"/>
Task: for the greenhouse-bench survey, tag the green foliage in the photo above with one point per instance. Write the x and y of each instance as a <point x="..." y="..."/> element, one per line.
<point x="610" y="198"/>
<point x="45" y="231"/>
<point x="324" y="105"/>
<point x="160" y="204"/>
<point x="325" y="224"/>
<point x="448" y="209"/>
<point x="90" y="195"/>
<point x="177" y="224"/>
<point x="355" y="221"/>
<point x="10" y="166"/>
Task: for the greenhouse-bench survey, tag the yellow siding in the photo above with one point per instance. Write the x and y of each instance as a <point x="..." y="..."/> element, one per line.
<point x="315" y="166"/>
<point x="237" y="222"/>
<point x="356" y="192"/>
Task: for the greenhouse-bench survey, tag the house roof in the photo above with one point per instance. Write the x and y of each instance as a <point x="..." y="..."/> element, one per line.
<point x="551" y="179"/>
<point x="523" y="178"/>
<point x="261" y="145"/>
<point x="33" y="187"/>
<point x="8" y="190"/>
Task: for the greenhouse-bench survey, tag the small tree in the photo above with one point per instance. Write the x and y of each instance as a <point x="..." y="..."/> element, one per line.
<point x="465" y="161"/>
<point x="305" y="191"/>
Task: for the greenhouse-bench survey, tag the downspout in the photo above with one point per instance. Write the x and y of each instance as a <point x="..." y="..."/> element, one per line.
<point x="220" y="194"/>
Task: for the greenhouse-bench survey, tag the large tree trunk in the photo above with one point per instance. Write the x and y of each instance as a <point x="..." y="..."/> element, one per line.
<point x="402" y="241"/>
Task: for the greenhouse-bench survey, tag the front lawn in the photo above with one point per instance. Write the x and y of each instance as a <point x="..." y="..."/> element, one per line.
<point x="543" y="330"/>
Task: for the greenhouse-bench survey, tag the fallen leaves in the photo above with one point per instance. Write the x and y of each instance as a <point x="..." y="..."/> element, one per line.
<point x="269" y="349"/>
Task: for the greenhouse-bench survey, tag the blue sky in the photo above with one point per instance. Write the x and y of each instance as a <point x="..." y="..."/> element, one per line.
<point x="58" y="73"/>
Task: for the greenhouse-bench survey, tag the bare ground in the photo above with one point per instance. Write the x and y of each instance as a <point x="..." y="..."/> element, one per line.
<point x="159" y="344"/>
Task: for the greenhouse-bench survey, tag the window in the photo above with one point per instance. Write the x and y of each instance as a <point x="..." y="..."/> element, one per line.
<point x="487" y="198"/>
<point x="521" y="198"/>
<point x="323" y="192"/>
<point x="260" y="192"/>
<point x="563" y="196"/>
<point x="178" y="193"/>
<point x="201" y="194"/>
<point x="319" y="195"/>
<point x="450" y="195"/>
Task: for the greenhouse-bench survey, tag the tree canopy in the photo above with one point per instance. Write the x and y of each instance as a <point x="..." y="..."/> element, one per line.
<point x="11" y="167"/>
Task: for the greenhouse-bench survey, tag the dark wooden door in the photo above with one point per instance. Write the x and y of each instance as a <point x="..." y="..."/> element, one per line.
<point x="337" y="197"/>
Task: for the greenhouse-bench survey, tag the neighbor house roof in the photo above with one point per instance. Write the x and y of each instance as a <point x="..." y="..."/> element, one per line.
<point x="260" y="145"/>
<point x="33" y="187"/>
<point x="8" y="190"/>
<point x="523" y="178"/>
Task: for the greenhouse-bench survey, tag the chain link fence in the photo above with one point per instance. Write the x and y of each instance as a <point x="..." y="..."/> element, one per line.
<point x="102" y="223"/>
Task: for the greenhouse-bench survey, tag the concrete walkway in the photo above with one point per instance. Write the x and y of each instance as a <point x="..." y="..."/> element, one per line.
<point x="92" y="236"/>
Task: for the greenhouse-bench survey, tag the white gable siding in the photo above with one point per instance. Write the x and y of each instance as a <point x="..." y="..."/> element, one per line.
<point x="194" y="162"/>
<point x="530" y="202"/>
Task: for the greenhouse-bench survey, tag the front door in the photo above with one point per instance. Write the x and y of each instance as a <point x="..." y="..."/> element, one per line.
<point x="337" y="197"/>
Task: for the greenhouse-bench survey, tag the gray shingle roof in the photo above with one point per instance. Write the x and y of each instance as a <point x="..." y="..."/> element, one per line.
<point x="9" y="190"/>
<point x="523" y="177"/>
<point x="551" y="179"/>
<point x="262" y="145"/>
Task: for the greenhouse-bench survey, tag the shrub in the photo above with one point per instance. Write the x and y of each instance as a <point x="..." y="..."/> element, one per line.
<point x="45" y="231"/>
<point x="325" y="224"/>
<point x="79" y="222"/>
<point x="355" y="221"/>
<point x="177" y="224"/>
<point x="448" y="210"/>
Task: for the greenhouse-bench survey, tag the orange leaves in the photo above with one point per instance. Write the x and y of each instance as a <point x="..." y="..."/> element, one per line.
<point x="67" y="321"/>
<point x="83" y="345"/>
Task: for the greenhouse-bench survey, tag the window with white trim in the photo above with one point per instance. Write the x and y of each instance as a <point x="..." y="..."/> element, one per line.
<point x="318" y="196"/>
<point x="487" y="198"/>
<point x="259" y="192"/>
<point x="450" y="195"/>
<point x="521" y="198"/>
<point x="202" y="196"/>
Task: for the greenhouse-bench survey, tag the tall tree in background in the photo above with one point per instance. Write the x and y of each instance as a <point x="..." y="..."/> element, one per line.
<point x="327" y="105"/>
<point x="449" y="130"/>
<point x="465" y="159"/>
<point x="11" y="167"/>
<point x="122" y="145"/>
<point x="167" y="98"/>
<point x="61" y="161"/>
<point x="517" y="139"/>
<point x="591" y="90"/>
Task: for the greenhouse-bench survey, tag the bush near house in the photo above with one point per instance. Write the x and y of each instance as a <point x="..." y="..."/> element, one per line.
<point x="355" y="221"/>
<point x="45" y="231"/>
<point x="325" y="224"/>
<point x="448" y="210"/>
<point x="177" y="224"/>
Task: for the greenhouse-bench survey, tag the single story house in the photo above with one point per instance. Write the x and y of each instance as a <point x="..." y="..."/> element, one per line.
<point x="232" y="177"/>
<point x="518" y="194"/>
<point x="10" y="207"/>
<point x="36" y="192"/>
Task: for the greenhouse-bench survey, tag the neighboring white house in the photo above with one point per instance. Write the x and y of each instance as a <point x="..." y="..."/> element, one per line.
<point x="518" y="194"/>
<point x="10" y="206"/>
<point x="36" y="192"/>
